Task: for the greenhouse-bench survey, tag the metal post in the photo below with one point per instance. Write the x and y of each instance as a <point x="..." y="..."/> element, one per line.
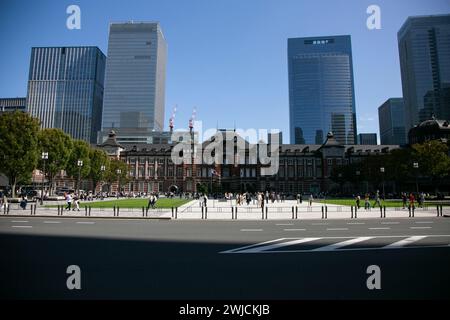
<point x="262" y="213"/>
<point x="267" y="210"/>
<point x="326" y="212"/>
<point x="34" y="211"/>
<point x="437" y="209"/>
<point x="31" y="207"/>
<point x="172" y="212"/>
<point x="381" y="212"/>
<point x="441" y="210"/>
<point x="117" y="210"/>
<point x="114" y="211"/>
<point x="413" y="209"/>
<point x="232" y="213"/>
<point x="384" y="211"/>
<point x="356" y="212"/>
<point x="351" y="209"/>
<point x="206" y="213"/>
<point x="143" y="211"/>
<point x="292" y="212"/>
<point x="89" y="211"/>
<point x="202" y="212"/>
<point x="322" y="212"/>
<point x="296" y="212"/>
<point x="409" y="210"/>
<point x="176" y="212"/>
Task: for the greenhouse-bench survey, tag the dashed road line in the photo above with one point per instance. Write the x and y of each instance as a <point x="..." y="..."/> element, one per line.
<point x="393" y="222"/>
<point x="336" y="229"/>
<point x="355" y="223"/>
<point x="320" y="224"/>
<point x="284" y="224"/>
<point x="404" y="242"/>
<point x="384" y="228"/>
<point x="85" y="222"/>
<point x="251" y="230"/>
<point x="294" y="229"/>
<point x="424" y="222"/>
<point x="52" y="222"/>
<point x="19" y="221"/>
<point x="341" y="244"/>
<point x="21" y="226"/>
<point x="420" y="228"/>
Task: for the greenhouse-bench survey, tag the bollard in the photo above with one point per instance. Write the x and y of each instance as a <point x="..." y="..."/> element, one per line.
<point x="441" y="210"/>
<point x="322" y="212"/>
<point x="351" y="209"/>
<point x="202" y="212"/>
<point x="172" y="212"/>
<point x="413" y="209"/>
<point x="31" y="208"/>
<point x="143" y="212"/>
<point x="381" y="212"/>
<point x="85" y="211"/>
<point x="437" y="209"/>
<point x="176" y="212"/>
<point x="114" y="208"/>
<point x="232" y="213"/>
<point x="34" y="211"/>
<point x="267" y="210"/>
<point x="326" y="212"/>
<point x="296" y="212"/>
<point x="356" y="212"/>
<point x="409" y="211"/>
<point x="117" y="210"/>
<point x="292" y="212"/>
<point x="89" y="211"/>
<point x="384" y="212"/>
<point x="262" y="213"/>
<point x="206" y="213"/>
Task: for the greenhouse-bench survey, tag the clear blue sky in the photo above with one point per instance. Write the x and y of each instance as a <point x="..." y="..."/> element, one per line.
<point x="227" y="57"/>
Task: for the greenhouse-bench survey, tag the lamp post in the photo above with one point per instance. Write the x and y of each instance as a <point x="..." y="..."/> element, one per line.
<point x="44" y="157"/>
<point x="102" y="169"/>
<point x="416" y="166"/>
<point x="118" y="171"/>
<point x="80" y="164"/>
<point x="382" y="172"/>
<point x="358" y="173"/>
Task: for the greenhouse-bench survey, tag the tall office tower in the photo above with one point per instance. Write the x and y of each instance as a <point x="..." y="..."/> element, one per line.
<point x="391" y="117"/>
<point x="321" y="92"/>
<point x="424" y="48"/>
<point x="367" y="139"/>
<point x="12" y="104"/>
<point x="134" y="82"/>
<point x="65" y="89"/>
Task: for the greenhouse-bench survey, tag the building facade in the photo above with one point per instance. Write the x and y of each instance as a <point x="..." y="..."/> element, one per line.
<point x="135" y="81"/>
<point x="432" y="129"/>
<point x="367" y="139"/>
<point x="424" y="48"/>
<point x="13" y="104"/>
<point x="65" y="89"/>
<point x="391" y="117"/>
<point x="301" y="168"/>
<point x="321" y="90"/>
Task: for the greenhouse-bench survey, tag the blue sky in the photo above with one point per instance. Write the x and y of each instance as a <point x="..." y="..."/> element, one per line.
<point x="226" y="57"/>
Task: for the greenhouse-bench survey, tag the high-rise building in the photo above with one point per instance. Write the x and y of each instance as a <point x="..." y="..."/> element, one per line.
<point x="391" y="117"/>
<point x="321" y="90"/>
<point x="135" y="81"/>
<point x="424" y="48"/>
<point x="12" y="104"/>
<point x="65" y="89"/>
<point x="367" y="139"/>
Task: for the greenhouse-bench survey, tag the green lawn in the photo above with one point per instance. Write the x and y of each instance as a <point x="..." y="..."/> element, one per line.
<point x="352" y="202"/>
<point x="134" y="203"/>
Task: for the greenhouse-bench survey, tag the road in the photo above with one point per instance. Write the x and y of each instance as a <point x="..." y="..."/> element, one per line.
<point x="167" y="259"/>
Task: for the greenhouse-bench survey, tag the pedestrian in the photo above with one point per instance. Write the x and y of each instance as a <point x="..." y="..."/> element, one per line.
<point x="301" y="198"/>
<point x="412" y="200"/>
<point x="311" y="198"/>
<point x="76" y="204"/>
<point x="23" y="203"/>
<point x="69" y="201"/>
<point x="422" y="199"/>
<point x="377" y="199"/>
<point x="358" y="199"/>
<point x="367" y="201"/>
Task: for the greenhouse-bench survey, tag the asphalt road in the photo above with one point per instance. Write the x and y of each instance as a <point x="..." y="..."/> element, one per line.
<point x="156" y="259"/>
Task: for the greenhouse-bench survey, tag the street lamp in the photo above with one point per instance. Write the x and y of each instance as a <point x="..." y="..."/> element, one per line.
<point x="416" y="166"/>
<point x="44" y="157"/>
<point x="80" y="164"/>
<point x="382" y="171"/>
<point x="102" y="169"/>
<point x="358" y="173"/>
<point x="118" y="171"/>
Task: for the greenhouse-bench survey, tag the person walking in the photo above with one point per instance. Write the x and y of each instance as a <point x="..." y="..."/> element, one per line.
<point x="358" y="200"/>
<point x="23" y="203"/>
<point x="76" y="204"/>
<point x="377" y="199"/>
<point x="311" y="198"/>
<point x="412" y="200"/>
<point x="205" y="200"/>
<point x="404" y="199"/>
<point x="69" y="201"/>
<point x="367" y="202"/>
<point x="422" y="199"/>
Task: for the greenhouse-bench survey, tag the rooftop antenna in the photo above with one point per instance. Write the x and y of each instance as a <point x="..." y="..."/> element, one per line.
<point x="172" y="118"/>
<point x="191" y="120"/>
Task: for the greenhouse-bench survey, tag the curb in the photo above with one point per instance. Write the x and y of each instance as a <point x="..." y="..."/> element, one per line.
<point x="84" y="217"/>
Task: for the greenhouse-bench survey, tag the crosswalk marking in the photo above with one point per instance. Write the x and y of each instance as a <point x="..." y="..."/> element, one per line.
<point x="404" y="242"/>
<point x="341" y="244"/>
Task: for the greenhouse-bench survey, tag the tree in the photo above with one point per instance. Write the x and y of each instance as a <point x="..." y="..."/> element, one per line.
<point x="433" y="160"/>
<point x="112" y="176"/>
<point x="18" y="146"/>
<point x="98" y="158"/>
<point x="80" y="151"/>
<point x="59" y="147"/>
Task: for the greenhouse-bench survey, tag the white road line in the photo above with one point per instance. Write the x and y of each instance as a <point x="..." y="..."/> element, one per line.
<point x="390" y="223"/>
<point x="277" y="245"/>
<point x="21" y="226"/>
<point x="85" y="222"/>
<point x="404" y="242"/>
<point x="336" y="229"/>
<point x="294" y="229"/>
<point x="341" y="244"/>
<point x="284" y="224"/>
<point x="387" y="228"/>
<point x="320" y="224"/>
<point x="356" y="223"/>
<point x="253" y="245"/>
<point x="250" y="230"/>
<point x="420" y="227"/>
<point x="424" y="221"/>
<point x="19" y="221"/>
<point x="52" y="221"/>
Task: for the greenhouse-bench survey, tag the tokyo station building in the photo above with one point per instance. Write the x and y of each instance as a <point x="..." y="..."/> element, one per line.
<point x="302" y="168"/>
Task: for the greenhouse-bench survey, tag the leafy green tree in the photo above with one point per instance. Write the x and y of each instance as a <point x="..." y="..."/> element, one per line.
<point x="80" y="151"/>
<point x="18" y="146"/>
<point x="112" y="176"/>
<point x="59" y="147"/>
<point x="433" y="160"/>
<point x="98" y="158"/>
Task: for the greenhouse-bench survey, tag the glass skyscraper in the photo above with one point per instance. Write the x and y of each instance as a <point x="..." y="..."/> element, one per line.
<point x="424" y="48"/>
<point x="65" y="89"/>
<point x="321" y="90"/>
<point x="135" y="80"/>
<point x="391" y="117"/>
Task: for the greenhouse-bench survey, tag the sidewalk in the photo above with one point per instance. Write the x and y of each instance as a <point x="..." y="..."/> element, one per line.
<point x="217" y="210"/>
